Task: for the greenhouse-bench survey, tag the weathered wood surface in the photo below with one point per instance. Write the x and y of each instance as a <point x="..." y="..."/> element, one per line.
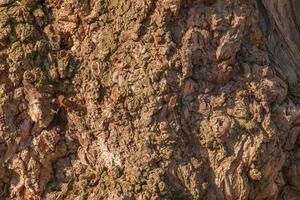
<point x="284" y="37"/>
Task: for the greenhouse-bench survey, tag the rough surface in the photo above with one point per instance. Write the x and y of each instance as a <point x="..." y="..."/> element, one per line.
<point x="149" y="99"/>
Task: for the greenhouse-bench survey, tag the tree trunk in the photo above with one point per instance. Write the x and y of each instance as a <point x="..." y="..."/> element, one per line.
<point x="149" y="99"/>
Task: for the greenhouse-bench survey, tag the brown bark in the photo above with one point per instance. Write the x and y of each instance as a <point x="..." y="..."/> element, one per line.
<point x="149" y="99"/>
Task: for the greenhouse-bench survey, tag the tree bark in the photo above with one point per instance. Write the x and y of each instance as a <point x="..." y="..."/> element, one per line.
<point x="149" y="99"/>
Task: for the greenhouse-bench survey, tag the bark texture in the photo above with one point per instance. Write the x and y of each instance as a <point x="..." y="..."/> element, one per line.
<point x="149" y="99"/>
